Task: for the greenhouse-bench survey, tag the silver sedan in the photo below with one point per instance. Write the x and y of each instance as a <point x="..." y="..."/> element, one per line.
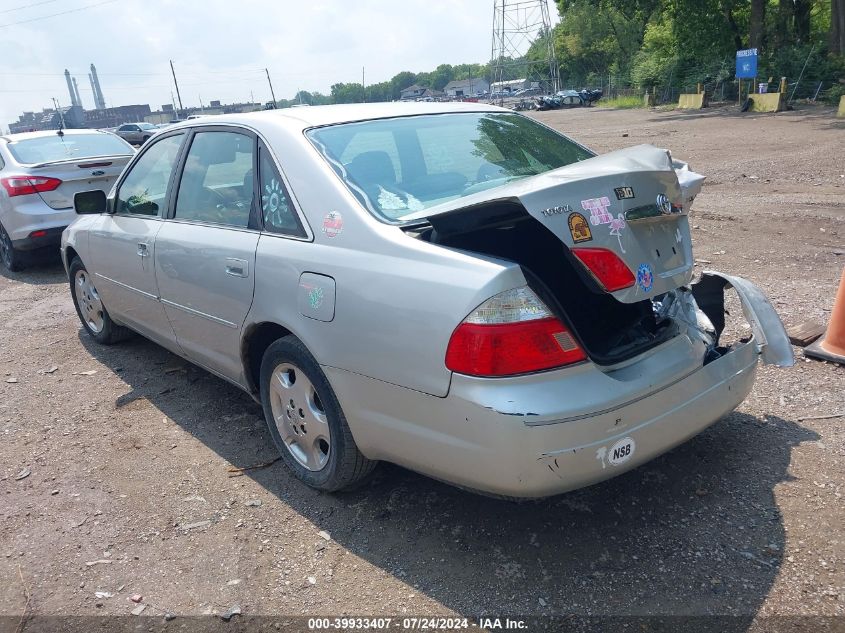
<point x="454" y="288"/>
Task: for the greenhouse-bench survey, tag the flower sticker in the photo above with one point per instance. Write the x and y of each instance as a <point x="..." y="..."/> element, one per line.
<point x="274" y="203"/>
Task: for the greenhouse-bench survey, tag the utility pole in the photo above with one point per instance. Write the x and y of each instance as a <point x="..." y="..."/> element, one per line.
<point x="363" y="90"/>
<point x="272" y="94"/>
<point x="178" y="96"/>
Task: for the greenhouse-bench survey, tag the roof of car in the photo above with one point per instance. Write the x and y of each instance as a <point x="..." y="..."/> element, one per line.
<point x="22" y="136"/>
<point x="345" y="113"/>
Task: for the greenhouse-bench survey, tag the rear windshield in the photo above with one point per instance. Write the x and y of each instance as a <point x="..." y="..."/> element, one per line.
<point x="398" y="167"/>
<point x="46" y="149"/>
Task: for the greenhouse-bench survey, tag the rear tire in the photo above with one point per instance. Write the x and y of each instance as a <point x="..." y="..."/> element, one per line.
<point x="306" y="421"/>
<point x="90" y="308"/>
<point x="12" y="259"/>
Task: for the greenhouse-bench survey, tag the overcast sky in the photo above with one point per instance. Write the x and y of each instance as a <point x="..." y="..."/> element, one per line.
<point x="220" y="48"/>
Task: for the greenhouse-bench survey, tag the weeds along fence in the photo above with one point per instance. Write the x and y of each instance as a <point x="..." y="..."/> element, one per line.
<point x="719" y="90"/>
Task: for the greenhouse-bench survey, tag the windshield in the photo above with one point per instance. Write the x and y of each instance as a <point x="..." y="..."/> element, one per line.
<point x="45" y="149"/>
<point x="397" y="167"/>
<point x="146" y="126"/>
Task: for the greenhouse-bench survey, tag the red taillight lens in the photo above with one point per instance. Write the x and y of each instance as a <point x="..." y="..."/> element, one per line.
<point x="606" y="266"/>
<point x="511" y="348"/>
<point x="511" y="333"/>
<point x="24" y="185"/>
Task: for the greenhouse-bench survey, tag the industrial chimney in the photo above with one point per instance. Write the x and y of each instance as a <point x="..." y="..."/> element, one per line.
<point x="73" y="101"/>
<point x="95" y="86"/>
<point x="76" y="92"/>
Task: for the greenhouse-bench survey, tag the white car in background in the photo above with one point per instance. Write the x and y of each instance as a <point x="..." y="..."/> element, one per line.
<point x="39" y="174"/>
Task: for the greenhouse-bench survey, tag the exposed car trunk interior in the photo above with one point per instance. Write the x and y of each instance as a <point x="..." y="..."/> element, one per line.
<point x="610" y="331"/>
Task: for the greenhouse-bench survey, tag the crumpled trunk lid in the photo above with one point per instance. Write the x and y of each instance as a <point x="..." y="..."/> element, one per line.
<point x="633" y="202"/>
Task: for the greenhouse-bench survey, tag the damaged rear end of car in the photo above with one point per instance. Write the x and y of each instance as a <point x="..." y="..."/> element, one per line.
<point x="593" y="349"/>
<point x="610" y="354"/>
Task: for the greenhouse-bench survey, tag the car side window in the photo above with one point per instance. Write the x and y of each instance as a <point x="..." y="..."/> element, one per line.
<point x="144" y="189"/>
<point x="276" y="207"/>
<point x="217" y="180"/>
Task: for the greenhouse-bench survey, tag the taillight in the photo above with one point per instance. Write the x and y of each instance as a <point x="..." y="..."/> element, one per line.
<point x="606" y="266"/>
<point x="509" y="334"/>
<point x="24" y="185"/>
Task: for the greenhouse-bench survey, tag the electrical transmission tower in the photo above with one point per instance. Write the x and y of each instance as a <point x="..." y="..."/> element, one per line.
<point x="520" y="25"/>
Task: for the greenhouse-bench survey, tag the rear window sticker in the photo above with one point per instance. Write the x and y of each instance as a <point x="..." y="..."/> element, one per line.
<point x="624" y="193"/>
<point x="679" y="237"/>
<point x="273" y="203"/>
<point x="598" y="208"/>
<point x="645" y="277"/>
<point x="579" y="228"/>
<point x="333" y="224"/>
<point x="390" y="201"/>
<point x="616" y="226"/>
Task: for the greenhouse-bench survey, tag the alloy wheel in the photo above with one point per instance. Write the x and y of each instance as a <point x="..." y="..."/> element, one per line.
<point x="300" y="417"/>
<point x="90" y="304"/>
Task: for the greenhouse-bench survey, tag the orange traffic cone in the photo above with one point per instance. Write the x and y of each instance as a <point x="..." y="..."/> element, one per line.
<point x="832" y="345"/>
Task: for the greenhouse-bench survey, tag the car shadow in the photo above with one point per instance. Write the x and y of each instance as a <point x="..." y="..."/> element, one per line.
<point x="696" y="531"/>
<point x="42" y="267"/>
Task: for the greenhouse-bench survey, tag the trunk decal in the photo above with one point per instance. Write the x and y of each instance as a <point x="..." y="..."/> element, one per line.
<point x="580" y="229"/>
<point x="645" y="277"/>
<point x="598" y="208"/>
<point x="624" y="193"/>
<point x="616" y="227"/>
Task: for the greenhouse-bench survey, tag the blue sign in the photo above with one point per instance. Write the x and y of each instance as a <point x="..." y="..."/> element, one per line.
<point x="746" y="64"/>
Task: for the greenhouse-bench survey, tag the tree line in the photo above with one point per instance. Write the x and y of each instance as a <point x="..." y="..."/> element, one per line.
<point x="650" y="44"/>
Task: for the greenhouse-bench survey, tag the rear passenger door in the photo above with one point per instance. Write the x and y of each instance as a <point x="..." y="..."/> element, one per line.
<point x="205" y="251"/>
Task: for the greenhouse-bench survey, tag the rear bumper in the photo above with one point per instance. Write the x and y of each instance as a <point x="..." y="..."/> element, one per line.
<point x="31" y="214"/>
<point x="37" y="239"/>
<point x="534" y="449"/>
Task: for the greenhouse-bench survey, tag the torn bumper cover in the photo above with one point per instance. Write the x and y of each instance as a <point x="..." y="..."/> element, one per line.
<point x="561" y="430"/>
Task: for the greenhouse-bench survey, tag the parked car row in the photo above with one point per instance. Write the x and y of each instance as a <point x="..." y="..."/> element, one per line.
<point x="455" y="288"/>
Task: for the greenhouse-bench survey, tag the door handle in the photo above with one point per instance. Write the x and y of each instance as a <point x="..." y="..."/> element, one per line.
<point x="237" y="267"/>
<point x="143" y="249"/>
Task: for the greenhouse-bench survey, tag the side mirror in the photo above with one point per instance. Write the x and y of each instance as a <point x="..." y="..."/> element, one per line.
<point x="90" y="202"/>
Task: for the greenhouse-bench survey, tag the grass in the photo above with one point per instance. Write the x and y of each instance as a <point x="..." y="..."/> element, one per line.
<point x="625" y="103"/>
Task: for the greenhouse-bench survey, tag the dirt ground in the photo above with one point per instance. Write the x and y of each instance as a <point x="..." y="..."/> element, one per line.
<point x="128" y="449"/>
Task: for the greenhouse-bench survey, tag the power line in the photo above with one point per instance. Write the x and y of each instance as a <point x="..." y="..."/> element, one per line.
<point x="53" y="15"/>
<point x="28" y="6"/>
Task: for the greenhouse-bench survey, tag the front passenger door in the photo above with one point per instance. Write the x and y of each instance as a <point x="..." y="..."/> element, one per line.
<point x="122" y="244"/>
<point x="205" y="253"/>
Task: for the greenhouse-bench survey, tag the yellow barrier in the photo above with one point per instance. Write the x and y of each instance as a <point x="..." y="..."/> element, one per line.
<point x="692" y="101"/>
<point x="768" y="102"/>
<point x="841" y="113"/>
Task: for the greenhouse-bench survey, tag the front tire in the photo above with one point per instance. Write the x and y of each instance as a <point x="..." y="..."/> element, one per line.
<point x="306" y="421"/>
<point x="89" y="306"/>
<point x="12" y="259"/>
